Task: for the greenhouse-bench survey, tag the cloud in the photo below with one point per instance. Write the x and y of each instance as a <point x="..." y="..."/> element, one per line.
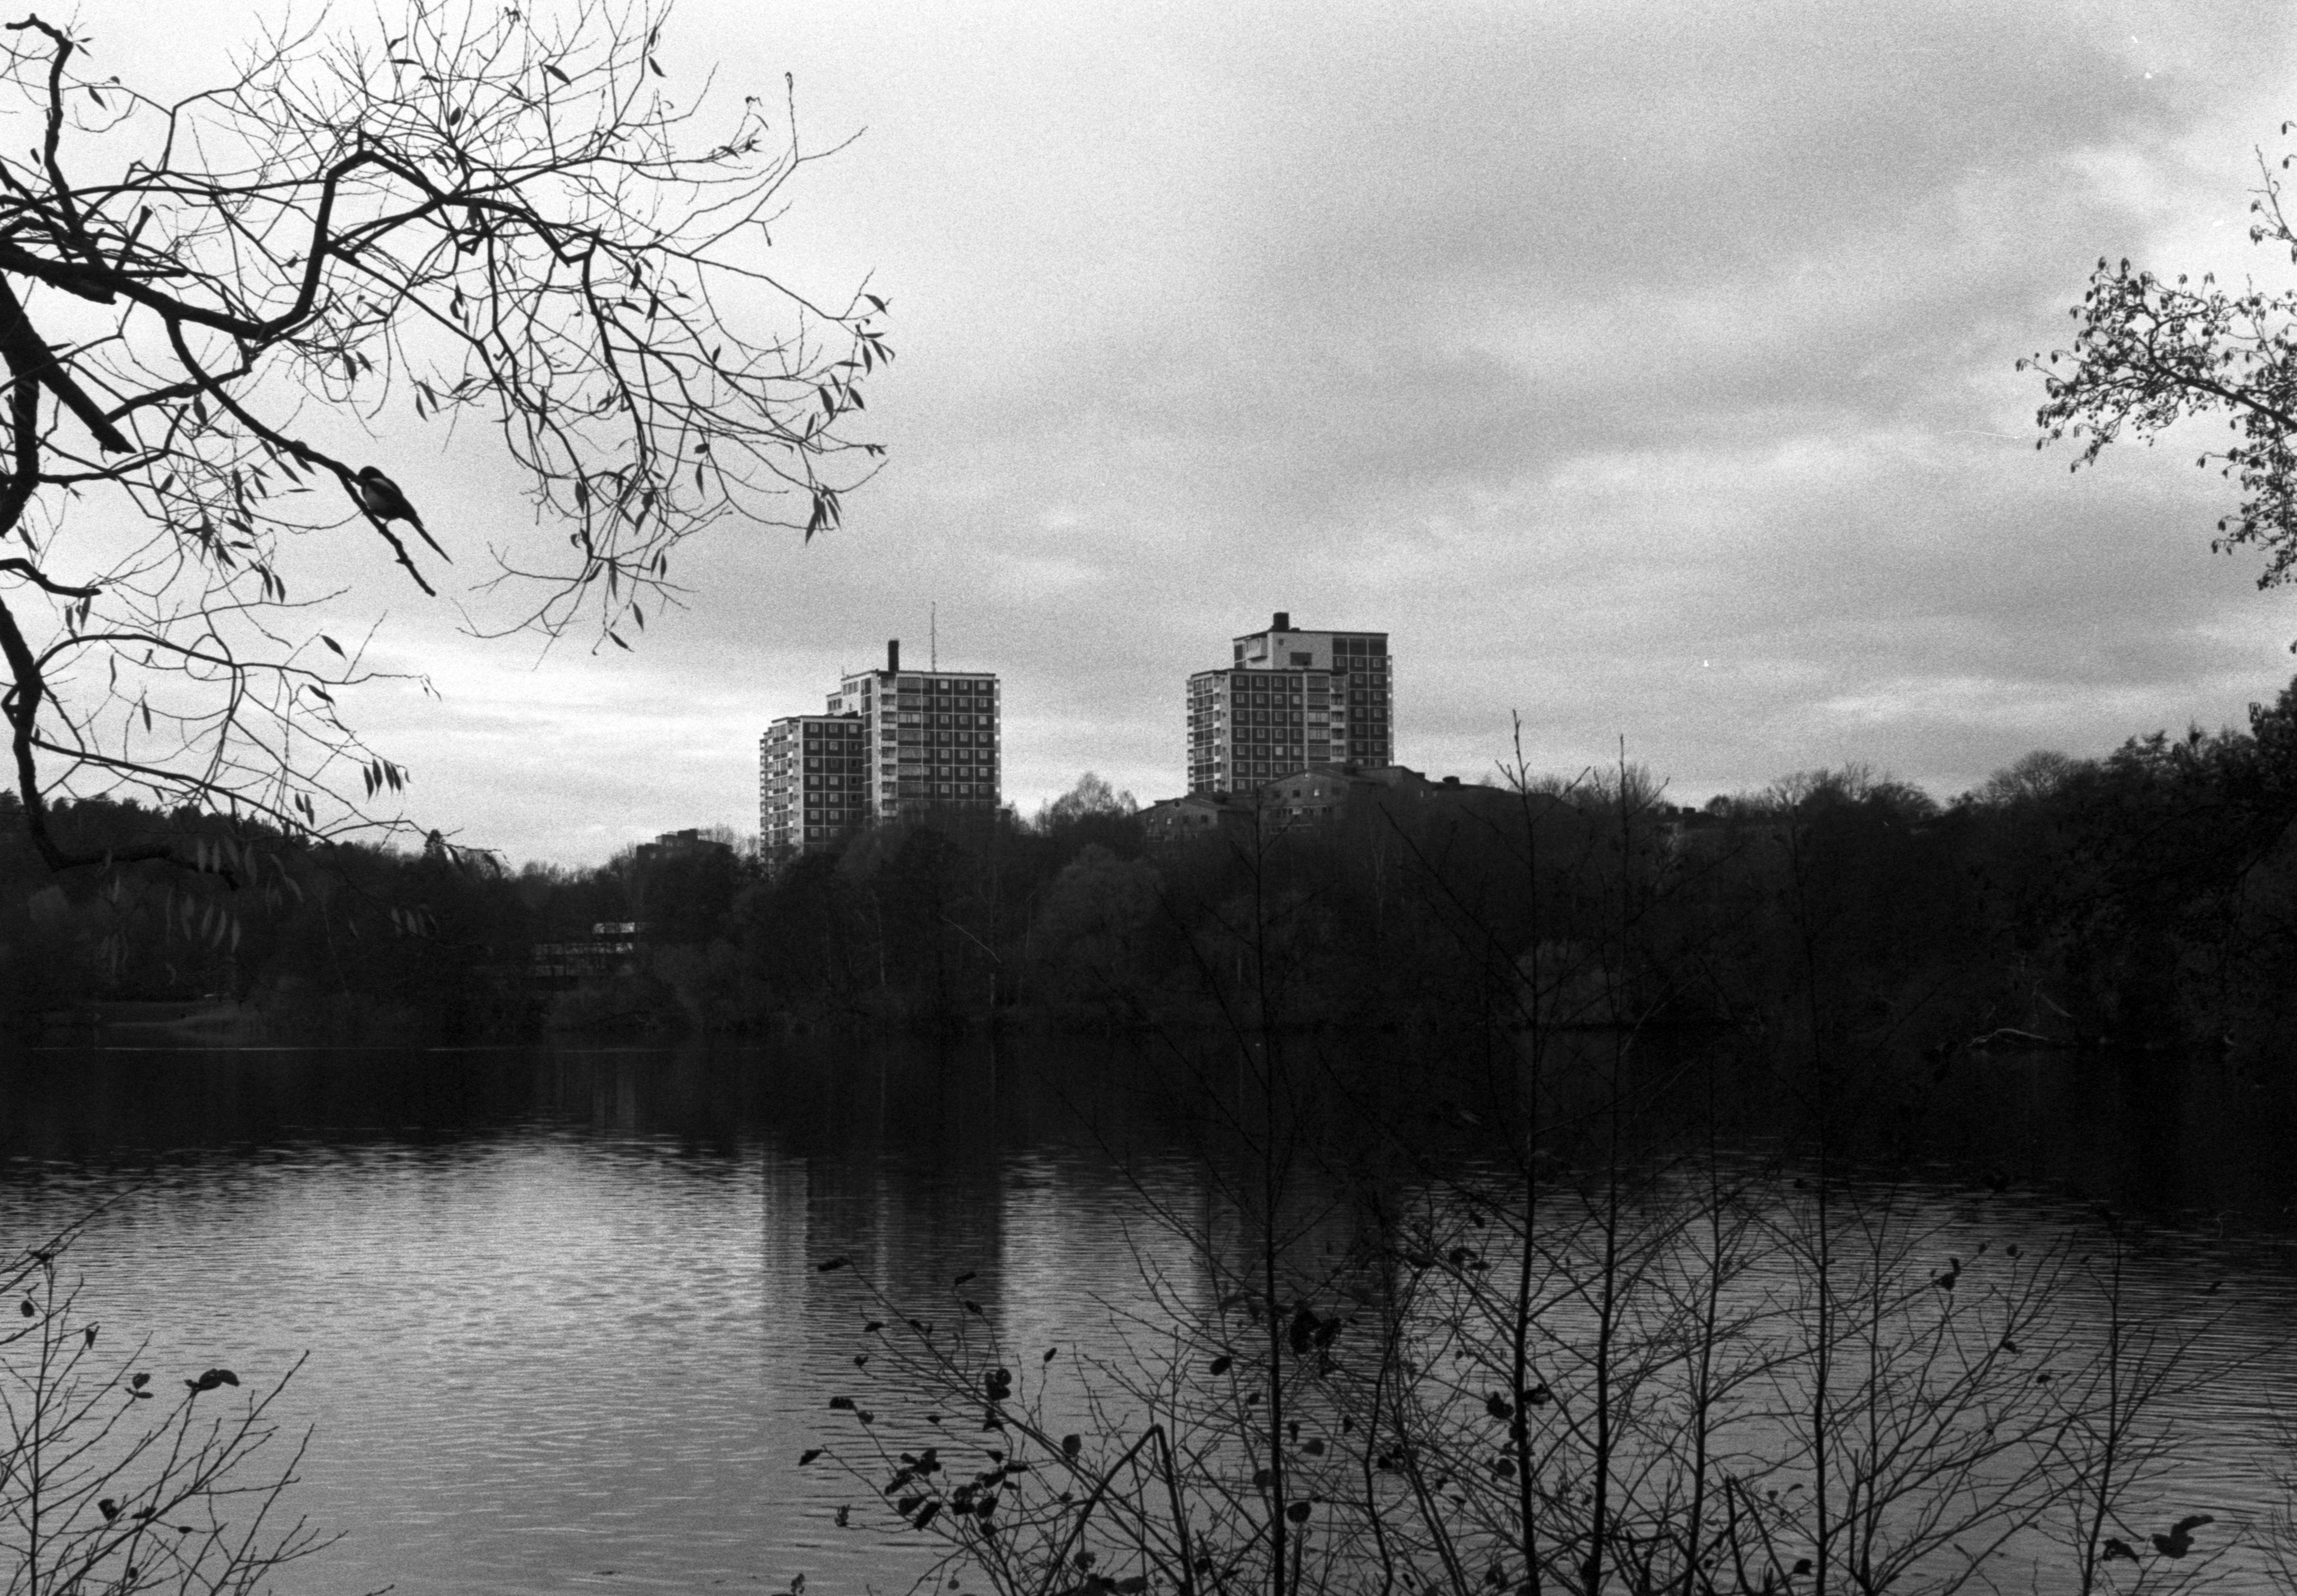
<point x="1644" y="370"/>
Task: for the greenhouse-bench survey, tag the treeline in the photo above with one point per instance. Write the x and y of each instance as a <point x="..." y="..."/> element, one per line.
<point x="2144" y="900"/>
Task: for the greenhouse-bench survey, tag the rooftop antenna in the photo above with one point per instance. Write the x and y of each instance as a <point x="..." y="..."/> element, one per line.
<point x="933" y="637"/>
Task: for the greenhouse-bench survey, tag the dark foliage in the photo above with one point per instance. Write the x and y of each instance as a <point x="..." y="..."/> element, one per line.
<point x="2142" y="900"/>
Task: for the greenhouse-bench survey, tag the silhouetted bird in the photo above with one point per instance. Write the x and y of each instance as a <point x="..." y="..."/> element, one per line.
<point x="384" y="500"/>
<point x="2179" y="1540"/>
<point x="1952" y="1274"/>
<point x="2116" y="1547"/>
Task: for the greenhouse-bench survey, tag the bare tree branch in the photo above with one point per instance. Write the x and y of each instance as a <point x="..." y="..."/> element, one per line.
<point x="483" y="215"/>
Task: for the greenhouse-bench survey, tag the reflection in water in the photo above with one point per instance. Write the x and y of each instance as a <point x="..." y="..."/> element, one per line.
<point x="563" y="1311"/>
<point x="563" y="1321"/>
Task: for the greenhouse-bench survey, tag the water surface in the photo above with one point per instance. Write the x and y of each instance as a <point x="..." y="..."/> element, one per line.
<point x="561" y="1308"/>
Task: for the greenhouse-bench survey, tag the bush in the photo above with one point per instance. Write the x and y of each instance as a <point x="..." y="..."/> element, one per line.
<point x="115" y="1480"/>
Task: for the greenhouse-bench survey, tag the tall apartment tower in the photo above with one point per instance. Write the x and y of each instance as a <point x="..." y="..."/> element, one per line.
<point x="813" y="782"/>
<point x="893" y="743"/>
<point x="1289" y="700"/>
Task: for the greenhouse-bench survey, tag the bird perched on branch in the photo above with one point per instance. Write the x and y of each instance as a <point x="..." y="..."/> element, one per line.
<point x="384" y="500"/>
<point x="380" y="497"/>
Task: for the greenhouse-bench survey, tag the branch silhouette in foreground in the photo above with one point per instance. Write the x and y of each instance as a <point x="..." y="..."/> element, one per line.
<point x="211" y="309"/>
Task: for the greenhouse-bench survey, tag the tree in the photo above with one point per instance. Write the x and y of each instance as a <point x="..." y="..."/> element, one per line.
<point x="1095" y="925"/>
<point x="486" y="217"/>
<point x="2148" y="354"/>
<point x="100" y="1492"/>
<point x="1092" y="795"/>
<point x="2029" y="779"/>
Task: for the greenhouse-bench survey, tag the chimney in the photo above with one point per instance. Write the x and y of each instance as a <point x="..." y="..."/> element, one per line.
<point x="893" y="657"/>
<point x="1283" y="622"/>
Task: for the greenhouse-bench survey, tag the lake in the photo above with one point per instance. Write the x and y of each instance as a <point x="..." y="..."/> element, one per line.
<point x="562" y="1311"/>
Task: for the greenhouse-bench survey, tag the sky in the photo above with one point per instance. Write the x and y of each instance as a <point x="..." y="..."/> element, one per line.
<point x="1647" y="372"/>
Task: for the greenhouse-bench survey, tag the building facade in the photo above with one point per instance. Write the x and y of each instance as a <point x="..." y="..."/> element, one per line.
<point x="610" y="949"/>
<point x="813" y="774"/>
<point x="892" y="743"/>
<point x="1291" y="699"/>
<point x="1172" y="823"/>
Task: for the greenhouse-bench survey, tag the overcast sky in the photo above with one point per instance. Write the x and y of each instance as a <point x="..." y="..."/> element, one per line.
<point x="1646" y="371"/>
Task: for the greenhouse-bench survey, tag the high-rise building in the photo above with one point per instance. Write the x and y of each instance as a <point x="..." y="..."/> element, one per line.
<point x="892" y="743"/>
<point x="1289" y="700"/>
<point x="933" y="736"/>
<point x="813" y="775"/>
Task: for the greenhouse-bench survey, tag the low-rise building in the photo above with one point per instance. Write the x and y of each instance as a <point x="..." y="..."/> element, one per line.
<point x="610" y="949"/>
<point x="1175" y="822"/>
<point x="1311" y="797"/>
<point x="692" y="843"/>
